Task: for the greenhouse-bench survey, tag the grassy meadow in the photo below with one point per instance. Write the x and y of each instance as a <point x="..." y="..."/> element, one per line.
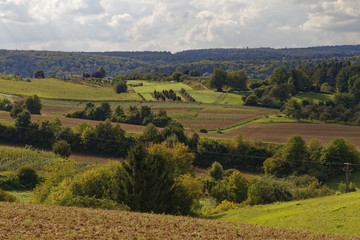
<point x="335" y="214"/>
<point x="201" y="96"/>
<point x="59" y="89"/>
<point x="315" y="96"/>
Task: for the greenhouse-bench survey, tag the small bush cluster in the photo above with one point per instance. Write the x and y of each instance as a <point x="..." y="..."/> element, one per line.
<point x="135" y="84"/>
<point x="31" y="103"/>
<point x="342" y="187"/>
<point x="5" y="105"/>
<point x="6" y="197"/>
<point x="186" y="94"/>
<point x="203" y="130"/>
<point x="171" y="95"/>
<point x="25" y="179"/>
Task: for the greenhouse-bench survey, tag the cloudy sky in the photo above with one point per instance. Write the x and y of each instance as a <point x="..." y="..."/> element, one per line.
<point x="175" y="25"/>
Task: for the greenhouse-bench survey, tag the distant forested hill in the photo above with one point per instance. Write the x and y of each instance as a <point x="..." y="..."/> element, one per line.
<point x="257" y="62"/>
<point x="61" y="63"/>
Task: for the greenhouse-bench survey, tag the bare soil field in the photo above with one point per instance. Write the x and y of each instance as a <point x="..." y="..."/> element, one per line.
<point x="281" y="132"/>
<point x="27" y="221"/>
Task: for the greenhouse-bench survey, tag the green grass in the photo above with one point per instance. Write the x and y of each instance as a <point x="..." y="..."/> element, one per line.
<point x="58" y="89"/>
<point x="315" y="96"/>
<point x="335" y="214"/>
<point x="148" y="87"/>
<point x="22" y="196"/>
<point x="203" y="96"/>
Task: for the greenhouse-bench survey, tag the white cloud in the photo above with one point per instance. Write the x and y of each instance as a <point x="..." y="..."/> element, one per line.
<point x="99" y="25"/>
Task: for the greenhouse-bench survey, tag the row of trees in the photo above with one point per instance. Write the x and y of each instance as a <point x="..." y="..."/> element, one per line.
<point x="316" y="160"/>
<point x="186" y="94"/>
<point x="143" y="116"/>
<point x="171" y="95"/>
<point x="31" y="104"/>
<point x="343" y="109"/>
<point x="283" y="84"/>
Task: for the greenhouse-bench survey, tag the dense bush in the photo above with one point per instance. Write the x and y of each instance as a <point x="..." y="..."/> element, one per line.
<point x="28" y="177"/>
<point x="216" y="171"/>
<point x="62" y="148"/>
<point x="187" y="192"/>
<point x="203" y="130"/>
<point x="233" y="188"/>
<point x="267" y="190"/>
<point x="276" y="166"/>
<point x="6" y="197"/>
<point x="144" y="116"/>
<point x="342" y="187"/>
<point x="33" y="104"/>
<point x="312" y="190"/>
<point x="171" y="95"/>
<point x="5" y="105"/>
<point x="120" y="86"/>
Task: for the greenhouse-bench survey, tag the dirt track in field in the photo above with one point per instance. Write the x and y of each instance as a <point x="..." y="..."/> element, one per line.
<point x="281" y="132"/>
<point x="30" y="221"/>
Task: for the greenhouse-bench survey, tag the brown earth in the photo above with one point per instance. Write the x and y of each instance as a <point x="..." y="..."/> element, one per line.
<point x="30" y="221"/>
<point x="281" y="132"/>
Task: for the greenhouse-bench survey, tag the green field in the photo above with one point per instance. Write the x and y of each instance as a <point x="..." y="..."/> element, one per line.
<point x="58" y="89"/>
<point x="315" y="96"/>
<point x="148" y="87"/>
<point x="201" y="96"/>
<point x="335" y="214"/>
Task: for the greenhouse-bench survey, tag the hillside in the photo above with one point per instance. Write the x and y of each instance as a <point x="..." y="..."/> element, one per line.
<point x="258" y="63"/>
<point x="337" y="214"/>
<point x="27" y="221"/>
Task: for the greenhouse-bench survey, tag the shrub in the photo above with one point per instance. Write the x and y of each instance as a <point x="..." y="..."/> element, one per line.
<point x="303" y="180"/>
<point x="5" y="104"/>
<point x="203" y="130"/>
<point x="33" y="104"/>
<point x="28" y="177"/>
<point x="311" y="189"/>
<point x="267" y="190"/>
<point x="62" y="148"/>
<point x="39" y="73"/>
<point x="6" y="197"/>
<point x="10" y="183"/>
<point x="187" y="192"/>
<point x="226" y="205"/>
<point x="342" y="187"/>
<point x="276" y="166"/>
<point x="216" y="171"/>
<point x="233" y="188"/>
<point x="120" y="86"/>
<point x="251" y="100"/>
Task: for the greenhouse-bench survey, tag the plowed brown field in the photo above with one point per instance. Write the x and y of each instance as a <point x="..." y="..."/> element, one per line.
<point x="27" y="221"/>
<point x="281" y="132"/>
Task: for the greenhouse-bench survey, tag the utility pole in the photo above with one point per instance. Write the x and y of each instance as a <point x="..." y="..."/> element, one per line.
<point x="347" y="169"/>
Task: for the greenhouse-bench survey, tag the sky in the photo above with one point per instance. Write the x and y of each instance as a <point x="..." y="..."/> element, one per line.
<point x="176" y="25"/>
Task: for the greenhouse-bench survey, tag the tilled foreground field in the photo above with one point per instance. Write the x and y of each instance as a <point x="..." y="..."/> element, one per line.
<point x="27" y="221"/>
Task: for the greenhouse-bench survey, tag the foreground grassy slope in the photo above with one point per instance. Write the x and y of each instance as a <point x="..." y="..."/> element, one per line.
<point x="336" y="214"/>
<point x="58" y="89"/>
<point x="27" y="221"/>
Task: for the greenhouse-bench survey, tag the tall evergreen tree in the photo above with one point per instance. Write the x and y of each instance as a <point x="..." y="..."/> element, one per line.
<point x="149" y="181"/>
